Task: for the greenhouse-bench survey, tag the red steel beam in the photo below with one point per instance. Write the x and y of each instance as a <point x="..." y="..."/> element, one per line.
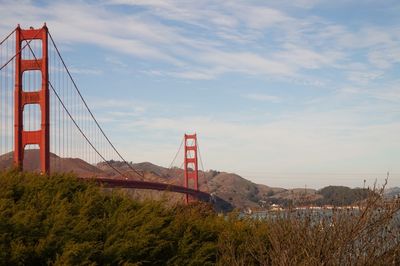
<point x="41" y="97"/>
<point x="123" y="183"/>
<point x="191" y="164"/>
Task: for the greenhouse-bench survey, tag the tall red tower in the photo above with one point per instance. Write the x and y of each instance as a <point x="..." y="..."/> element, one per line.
<point x="40" y="97"/>
<point x="191" y="163"/>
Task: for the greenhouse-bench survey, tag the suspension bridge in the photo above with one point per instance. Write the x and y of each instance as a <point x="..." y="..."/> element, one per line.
<point x="45" y="120"/>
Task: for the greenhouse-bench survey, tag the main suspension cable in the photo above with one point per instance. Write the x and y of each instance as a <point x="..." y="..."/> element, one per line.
<point x="16" y="54"/>
<point x="202" y="166"/>
<point x="73" y="120"/>
<point x="176" y="155"/>
<point x="8" y="36"/>
<point x="90" y="112"/>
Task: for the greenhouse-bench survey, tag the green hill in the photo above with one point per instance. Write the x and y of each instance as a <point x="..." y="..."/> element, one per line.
<point x="342" y="196"/>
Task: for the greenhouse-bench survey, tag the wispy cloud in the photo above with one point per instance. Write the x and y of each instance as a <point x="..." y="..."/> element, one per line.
<point x="364" y="77"/>
<point x="233" y="29"/>
<point x="85" y="71"/>
<point x="115" y="62"/>
<point x="262" y="97"/>
<point x="313" y="143"/>
<point x="335" y="78"/>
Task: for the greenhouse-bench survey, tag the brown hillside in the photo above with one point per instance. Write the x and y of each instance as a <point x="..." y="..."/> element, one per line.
<point x="230" y="187"/>
<point x="57" y="164"/>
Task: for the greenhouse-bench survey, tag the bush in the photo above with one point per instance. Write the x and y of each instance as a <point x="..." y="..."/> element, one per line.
<point x="61" y="220"/>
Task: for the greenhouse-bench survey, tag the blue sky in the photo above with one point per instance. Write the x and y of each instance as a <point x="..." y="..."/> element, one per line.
<point x="285" y="94"/>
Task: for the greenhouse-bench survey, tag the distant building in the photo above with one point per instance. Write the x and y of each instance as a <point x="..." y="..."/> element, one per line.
<point x="275" y="207"/>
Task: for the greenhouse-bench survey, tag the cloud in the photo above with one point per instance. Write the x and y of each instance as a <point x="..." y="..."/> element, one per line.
<point x="260" y="17"/>
<point x="92" y="25"/>
<point x="349" y="90"/>
<point x="204" y="40"/>
<point x="85" y="71"/>
<point x="118" y="107"/>
<point x="364" y="77"/>
<point x="198" y="74"/>
<point x="308" y="142"/>
<point x="262" y="97"/>
<point x="341" y="73"/>
<point x="115" y="62"/>
<point x="306" y="58"/>
<point x="385" y="57"/>
<point x="390" y="93"/>
<point x="246" y="62"/>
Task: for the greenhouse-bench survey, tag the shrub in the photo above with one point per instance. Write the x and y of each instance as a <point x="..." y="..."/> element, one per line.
<point x="61" y="220"/>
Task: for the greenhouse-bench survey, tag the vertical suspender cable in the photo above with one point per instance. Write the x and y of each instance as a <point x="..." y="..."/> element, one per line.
<point x="2" y="105"/>
<point x="58" y="117"/>
<point x="69" y="125"/>
<point x="90" y="112"/>
<point x="6" y="96"/>
<point x="3" y="97"/>
<point x="13" y="64"/>
<point x="202" y="166"/>
<point x="62" y="92"/>
<point x="67" y="113"/>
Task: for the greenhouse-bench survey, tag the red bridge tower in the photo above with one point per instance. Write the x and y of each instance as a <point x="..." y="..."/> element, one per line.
<point x="191" y="163"/>
<point x="40" y="97"/>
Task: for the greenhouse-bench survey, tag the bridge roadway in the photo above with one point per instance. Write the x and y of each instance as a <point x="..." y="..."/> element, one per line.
<point x="124" y="183"/>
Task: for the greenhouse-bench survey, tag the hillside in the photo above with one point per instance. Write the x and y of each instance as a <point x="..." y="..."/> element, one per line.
<point x="392" y="192"/>
<point x="57" y="164"/>
<point x="232" y="188"/>
<point x="243" y="193"/>
<point x="341" y="196"/>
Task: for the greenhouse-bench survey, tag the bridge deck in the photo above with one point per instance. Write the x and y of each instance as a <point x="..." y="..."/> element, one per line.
<point x="123" y="183"/>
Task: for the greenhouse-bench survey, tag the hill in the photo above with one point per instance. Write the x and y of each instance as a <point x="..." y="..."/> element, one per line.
<point x="234" y="189"/>
<point x="341" y="196"/>
<point x="57" y="164"/>
<point x="243" y="193"/>
<point x="392" y="192"/>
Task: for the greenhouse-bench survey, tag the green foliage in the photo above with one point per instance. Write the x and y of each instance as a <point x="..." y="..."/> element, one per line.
<point x="341" y="196"/>
<point x="61" y="220"/>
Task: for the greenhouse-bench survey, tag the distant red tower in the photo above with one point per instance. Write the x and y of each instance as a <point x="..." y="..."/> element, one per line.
<point x="40" y="97"/>
<point x="191" y="163"/>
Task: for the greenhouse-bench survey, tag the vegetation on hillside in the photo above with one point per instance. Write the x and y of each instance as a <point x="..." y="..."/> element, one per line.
<point x="341" y="196"/>
<point x="63" y="221"/>
<point x="231" y="189"/>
